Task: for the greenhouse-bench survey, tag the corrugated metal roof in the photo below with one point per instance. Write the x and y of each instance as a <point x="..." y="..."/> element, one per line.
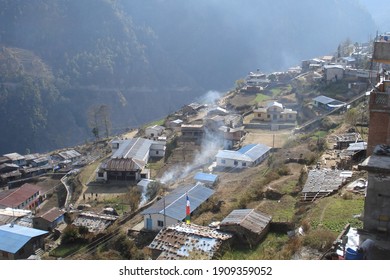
<point x="323" y="99"/>
<point x="250" y="219"/>
<point x="175" y="202"/>
<point x="249" y="152"/>
<point x="123" y="164"/>
<point x="53" y="214"/>
<point x="136" y="148"/>
<point x="359" y="146"/>
<point x="69" y="154"/>
<point x="205" y="177"/>
<point x="14" y="156"/>
<point x="19" y="195"/>
<point x="15" y="237"/>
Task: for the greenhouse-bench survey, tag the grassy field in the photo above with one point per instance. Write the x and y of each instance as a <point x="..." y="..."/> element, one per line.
<point x="335" y="212"/>
<point x="269" y="249"/>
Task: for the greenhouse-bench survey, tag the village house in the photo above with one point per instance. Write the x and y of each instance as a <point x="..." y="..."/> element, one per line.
<point x="49" y="220"/>
<point x="311" y="64"/>
<point x="129" y="159"/>
<point x="175" y="124"/>
<point x="256" y="78"/>
<point x="19" y="242"/>
<point x="192" y="132"/>
<point x="69" y="155"/>
<point x="274" y="112"/>
<point x="192" y="109"/>
<point x="344" y="140"/>
<point x="249" y="226"/>
<point x="346" y="61"/>
<point x="333" y="72"/>
<point x="206" y="178"/>
<point x="247" y="156"/>
<point x="154" y="131"/>
<point x="231" y="136"/>
<point x="171" y="209"/>
<point x="321" y="183"/>
<point x="8" y="167"/>
<point x="10" y="176"/>
<point x="327" y="103"/>
<point x="181" y="241"/>
<point x="25" y="197"/>
<point x="16" y="158"/>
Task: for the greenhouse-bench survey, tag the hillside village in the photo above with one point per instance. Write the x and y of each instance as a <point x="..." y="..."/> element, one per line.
<point x="288" y="165"/>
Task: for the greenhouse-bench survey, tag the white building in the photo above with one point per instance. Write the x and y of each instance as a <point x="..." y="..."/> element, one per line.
<point x="129" y="159"/>
<point x="172" y="208"/>
<point x="247" y="156"/>
<point x="154" y="131"/>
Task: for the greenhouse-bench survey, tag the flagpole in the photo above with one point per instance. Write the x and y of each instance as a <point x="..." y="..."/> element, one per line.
<point x="165" y="219"/>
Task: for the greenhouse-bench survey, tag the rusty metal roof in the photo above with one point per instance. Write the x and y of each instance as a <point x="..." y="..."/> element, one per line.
<point x="19" y="195"/>
<point x="52" y="215"/>
<point x="124" y="164"/>
<point x="250" y="219"/>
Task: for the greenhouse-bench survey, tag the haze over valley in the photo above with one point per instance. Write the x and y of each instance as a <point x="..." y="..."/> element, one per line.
<point x="142" y="60"/>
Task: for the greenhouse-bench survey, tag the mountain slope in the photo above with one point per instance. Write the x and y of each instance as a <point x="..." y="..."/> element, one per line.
<point x="144" y="59"/>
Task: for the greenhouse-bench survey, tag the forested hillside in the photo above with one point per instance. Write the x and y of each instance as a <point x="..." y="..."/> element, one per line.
<point x="143" y="59"/>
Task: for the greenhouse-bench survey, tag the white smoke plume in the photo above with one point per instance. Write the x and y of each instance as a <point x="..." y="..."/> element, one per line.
<point x="211" y="97"/>
<point x="209" y="148"/>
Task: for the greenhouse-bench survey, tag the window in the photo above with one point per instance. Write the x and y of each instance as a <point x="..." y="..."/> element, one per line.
<point x="290" y="116"/>
<point x="244" y="164"/>
<point x="223" y="161"/>
<point x="156" y="152"/>
<point x="100" y="174"/>
<point x="235" y="163"/>
<point x="160" y="223"/>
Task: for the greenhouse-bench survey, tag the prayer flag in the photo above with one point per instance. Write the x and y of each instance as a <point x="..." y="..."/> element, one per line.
<point x="188" y="211"/>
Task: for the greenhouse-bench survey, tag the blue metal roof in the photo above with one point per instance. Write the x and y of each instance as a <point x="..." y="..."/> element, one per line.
<point x="200" y="176"/>
<point x="175" y="202"/>
<point x="15" y="237"/>
<point x="246" y="148"/>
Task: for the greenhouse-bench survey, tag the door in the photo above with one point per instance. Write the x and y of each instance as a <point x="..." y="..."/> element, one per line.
<point x="149" y="223"/>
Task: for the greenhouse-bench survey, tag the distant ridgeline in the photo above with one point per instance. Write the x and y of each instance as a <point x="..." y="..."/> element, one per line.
<point x="59" y="59"/>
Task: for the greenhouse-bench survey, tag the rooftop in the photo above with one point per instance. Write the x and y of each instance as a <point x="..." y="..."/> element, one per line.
<point x="250" y="219"/>
<point x="69" y="154"/>
<point x="51" y="215"/>
<point x="13" y="238"/>
<point x="321" y="182"/>
<point x="136" y="148"/>
<point x="175" y="202"/>
<point x="17" y="196"/>
<point x="379" y="161"/>
<point x="200" y="176"/>
<point x="181" y="240"/>
<point x="249" y="152"/>
<point x="14" y="156"/>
